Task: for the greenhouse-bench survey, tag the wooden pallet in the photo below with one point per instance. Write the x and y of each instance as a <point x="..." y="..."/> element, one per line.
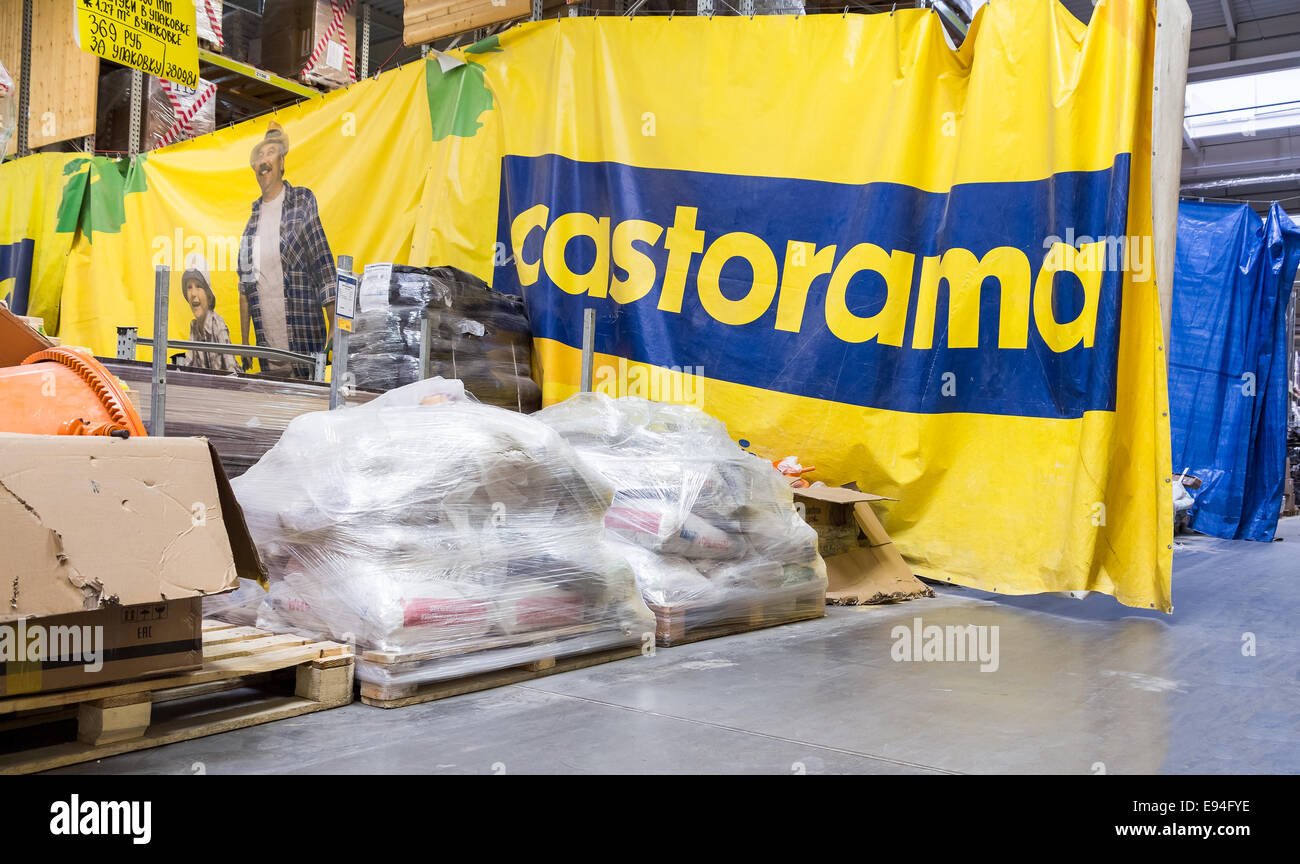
<point x="681" y="623"/>
<point x="293" y="675"/>
<point x="395" y="695"/>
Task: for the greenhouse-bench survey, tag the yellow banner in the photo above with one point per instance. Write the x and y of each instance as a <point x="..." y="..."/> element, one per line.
<point x="40" y="204"/>
<point x="361" y="154"/>
<point x="924" y="270"/>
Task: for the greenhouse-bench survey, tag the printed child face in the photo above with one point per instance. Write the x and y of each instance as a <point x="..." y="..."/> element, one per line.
<point x="197" y="298"/>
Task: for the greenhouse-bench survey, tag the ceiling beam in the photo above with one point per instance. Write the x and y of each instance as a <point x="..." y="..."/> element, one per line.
<point x="1239" y="182"/>
<point x="1247" y="66"/>
<point x="1228" y="19"/>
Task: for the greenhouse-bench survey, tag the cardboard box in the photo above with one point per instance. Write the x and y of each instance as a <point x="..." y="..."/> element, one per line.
<point x="243" y="34"/>
<point x="160" y="122"/>
<point x="18" y="340"/>
<point x="426" y="20"/>
<point x="292" y="30"/>
<point x="110" y="644"/>
<point x="862" y="563"/>
<point x="92" y="522"/>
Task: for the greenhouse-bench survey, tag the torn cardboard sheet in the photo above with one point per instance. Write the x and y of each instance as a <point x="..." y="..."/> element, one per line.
<point x="862" y="564"/>
<point x="87" y="522"/>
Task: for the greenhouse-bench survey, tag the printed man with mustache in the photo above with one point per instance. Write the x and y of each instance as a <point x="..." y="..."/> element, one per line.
<point x="287" y="277"/>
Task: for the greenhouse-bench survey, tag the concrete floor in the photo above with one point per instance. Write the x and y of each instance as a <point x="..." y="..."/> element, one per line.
<point x="1082" y="686"/>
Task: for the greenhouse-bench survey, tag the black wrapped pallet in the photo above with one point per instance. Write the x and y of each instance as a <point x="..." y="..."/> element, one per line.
<point x="476" y="334"/>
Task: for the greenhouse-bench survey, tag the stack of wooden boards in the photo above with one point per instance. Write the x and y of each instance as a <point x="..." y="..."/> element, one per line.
<point x="242" y="416"/>
<point x="426" y="20"/>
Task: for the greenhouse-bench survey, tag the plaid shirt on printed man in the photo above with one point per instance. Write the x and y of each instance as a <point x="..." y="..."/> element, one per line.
<point x="310" y="278"/>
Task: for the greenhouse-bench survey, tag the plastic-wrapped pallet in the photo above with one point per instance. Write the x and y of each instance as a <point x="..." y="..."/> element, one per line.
<point x="710" y="530"/>
<point x="242" y="33"/>
<point x="442" y="537"/>
<point x="314" y="41"/>
<point x="171" y="112"/>
<point x="207" y="23"/>
<point x="477" y="335"/>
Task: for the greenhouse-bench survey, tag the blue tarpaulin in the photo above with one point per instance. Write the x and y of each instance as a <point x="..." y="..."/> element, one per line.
<point x="1228" y="363"/>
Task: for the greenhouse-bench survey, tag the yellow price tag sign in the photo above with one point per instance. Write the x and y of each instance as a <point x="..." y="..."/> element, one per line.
<point x="154" y="36"/>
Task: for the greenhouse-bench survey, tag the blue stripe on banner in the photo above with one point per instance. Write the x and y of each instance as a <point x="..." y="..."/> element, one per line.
<point x="16" y="264"/>
<point x="1019" y="341"/>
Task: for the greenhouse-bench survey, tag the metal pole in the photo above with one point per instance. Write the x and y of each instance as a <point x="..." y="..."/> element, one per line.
<point x="703" y="7"/>
<point x="158" y="396"/>
<point x="126" y="337"/>
<point x="24" y="81"/>
<point x="337" y="393"/>
<point x="365" y="41"/>
<point x="536" y="11"/>
<point x="137" y="105"/>
<point x="588" y="347"/>
<point x="424" y="346"/>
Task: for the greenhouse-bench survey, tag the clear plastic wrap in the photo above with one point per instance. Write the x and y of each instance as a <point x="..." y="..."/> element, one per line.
<point x="311" y="40"/>
<point x="440" y="536"/>
<point x="171" y="112"/>
<point x="207" y="23"/>
<point x="242" y="32"/>
<point x="477" y="335"/>
<point x="779" y="7"/>
<point x="710" y="530"/>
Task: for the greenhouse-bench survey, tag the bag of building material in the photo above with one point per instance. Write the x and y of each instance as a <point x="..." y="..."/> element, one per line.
<point x="705" y="526"/>
<point x="475" y="335"/>
<point x="440" y="536"/>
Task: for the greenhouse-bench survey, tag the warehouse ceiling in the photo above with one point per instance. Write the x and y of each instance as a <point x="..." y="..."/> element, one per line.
<point x="1242" y="134"/>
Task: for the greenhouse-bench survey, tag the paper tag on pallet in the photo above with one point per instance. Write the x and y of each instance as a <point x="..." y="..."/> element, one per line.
<point x="374" y="286"/>
<point x="345" y="301"/>
<point x="334" y="55"/>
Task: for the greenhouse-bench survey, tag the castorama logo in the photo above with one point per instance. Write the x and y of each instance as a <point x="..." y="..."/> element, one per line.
<point x="863" y="294"/>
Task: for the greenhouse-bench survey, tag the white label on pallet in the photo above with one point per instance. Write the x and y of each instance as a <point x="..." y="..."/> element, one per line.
<point x="346" y="301"/>
<point x="374" y="286"/>
<point x="334" y="55"/>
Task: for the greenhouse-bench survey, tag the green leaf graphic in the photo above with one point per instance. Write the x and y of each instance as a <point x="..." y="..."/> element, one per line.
<point x="456" y="99"/>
